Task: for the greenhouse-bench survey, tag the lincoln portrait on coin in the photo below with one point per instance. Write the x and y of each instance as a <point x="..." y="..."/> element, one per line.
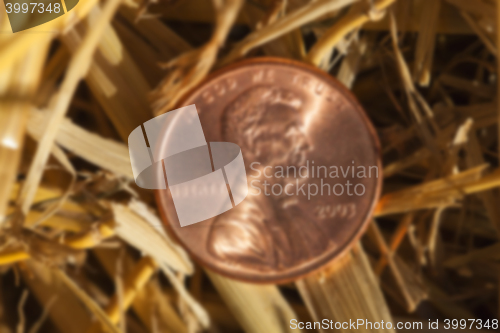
<point x="267" y="231"/>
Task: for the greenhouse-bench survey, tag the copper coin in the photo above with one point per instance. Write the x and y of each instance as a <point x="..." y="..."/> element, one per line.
<point x="313" y="168"/>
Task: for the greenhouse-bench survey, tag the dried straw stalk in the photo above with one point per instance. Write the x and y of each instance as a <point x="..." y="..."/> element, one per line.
<point x="498" y="73"/>
<point x="189" y="69"/>
<point x="150" y="303"/>
<point x="443" y="192"/>
<point x="133" y="283"/>
<point x="103" y="318"/>
<point x="24" y="76"/>
<point x="77" y="70"/>
<point x="424" y="51"/>
<point x="114" y="79"/>
<point x="409" y="285"/>
<point x="288" y="23"/>
<point x="346" y="290"/>
<point x="46" y="284"/>
<point x="348" y="23"/>
<point x="257" y="308"/>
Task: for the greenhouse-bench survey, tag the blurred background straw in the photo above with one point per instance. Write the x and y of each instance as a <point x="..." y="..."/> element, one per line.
<point x="82" y="248"/>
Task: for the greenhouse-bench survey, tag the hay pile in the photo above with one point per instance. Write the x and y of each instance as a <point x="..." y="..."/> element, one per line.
<point x="82" y="248"/>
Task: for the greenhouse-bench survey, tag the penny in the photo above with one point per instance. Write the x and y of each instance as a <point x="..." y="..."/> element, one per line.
<point x="312" y="160"/>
